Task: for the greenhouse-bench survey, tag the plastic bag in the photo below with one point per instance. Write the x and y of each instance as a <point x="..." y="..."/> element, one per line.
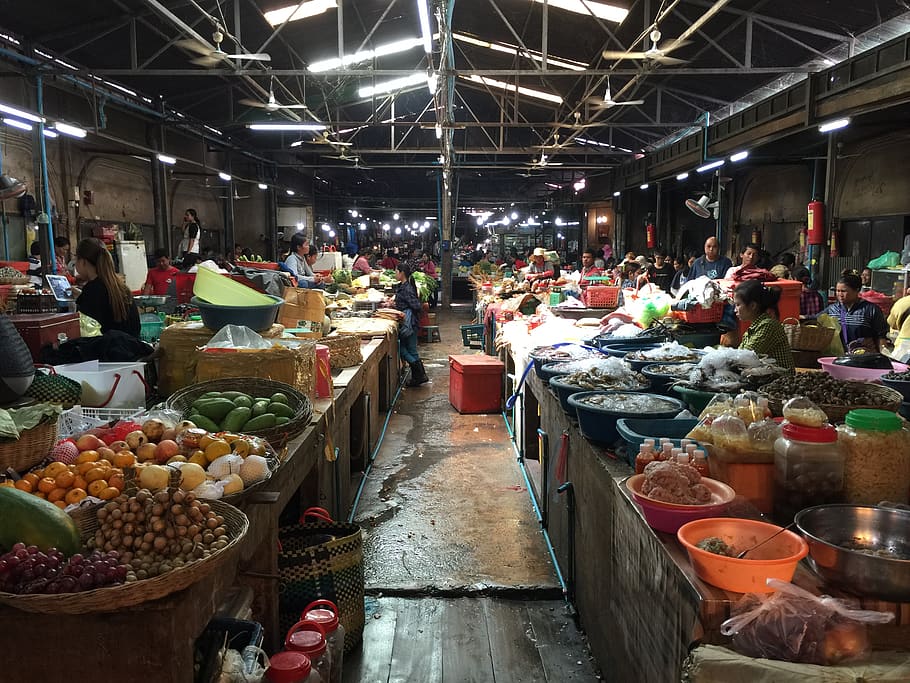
<point x="889" y="259"/>
<point x="88" y="326"/>
<point x="794" y="625"/>
<point x="237" y="337"/>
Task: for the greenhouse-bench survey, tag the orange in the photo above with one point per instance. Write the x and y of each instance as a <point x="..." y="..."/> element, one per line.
<point x="24" y="485"/>
<point x="56" y="494"/>
<point x="108" y="493"/>
<point x="65" y="479"/>
<point x="31" y="478"/>
<point x="104" y="462"/>
<point x="124" y="459"/>
<point x="87" y="456"/>
<point x="54" y="469"/>
<point x="97" y="473"/>
<point x="40" y="494"/>
<point x="75" y="496"/>
<point x="46" y="484"/>
<point x="84" y="467"/>
<point x="97" y="487"/>
<point x="116" y="480"/>
<point x="60" y="504"/>
<point x="79" y="482"/>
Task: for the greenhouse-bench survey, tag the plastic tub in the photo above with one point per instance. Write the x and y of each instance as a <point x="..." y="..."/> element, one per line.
<point x="564" y="390"/>
<point x="668" y="517"/>
<point x="900" y="385"/>
<point x="598" y="424"/>
<point x="862" y="374"/>
<point x="240" y="634"/>
<point x="776" y="559"/>
<point x="695" y="399"/>
<point x="548" y="371"/>
<point x="635" y="430"/>
<point x="620" y="350"/>
<point x="660" y="382"/>
<point x="220" y="290"/>
<point x="637" y="364"/>
<point x="257" y="318"/>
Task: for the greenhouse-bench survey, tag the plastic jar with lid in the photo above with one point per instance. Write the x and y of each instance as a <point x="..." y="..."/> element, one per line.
<point x="291" y="667"/>
<point x="325" y="613"/>
<point x="808" y="469"/>
<point x="877" y="449"/>
<point x="308" y="638"/>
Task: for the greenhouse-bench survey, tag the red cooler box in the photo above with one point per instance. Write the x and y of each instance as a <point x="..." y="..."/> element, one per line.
<point x="39" y="329"/>
<point x="475" y="384"/>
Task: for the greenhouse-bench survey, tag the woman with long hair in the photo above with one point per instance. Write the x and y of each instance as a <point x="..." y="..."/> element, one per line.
<point x="862" y="323"/>
<point x="754" y="303"/>
<point x="407" y="301"/>
<point x="104" y="297"/>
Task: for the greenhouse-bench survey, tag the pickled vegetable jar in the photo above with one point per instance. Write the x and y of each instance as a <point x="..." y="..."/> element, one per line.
<point x="808" y="469"/>
<point x="877" y="457"/>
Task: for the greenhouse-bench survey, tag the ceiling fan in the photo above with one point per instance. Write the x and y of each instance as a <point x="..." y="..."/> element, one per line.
<point x="271" y="104"/>
<point x="235" y="195"/>
<point x="654" y="53"/>
<point x="352" y="159"/>
<point x="543" y="162"/>
<point x="608" y="102"/>
<point x="208" y="57"/>
<point x="324" y="139"/>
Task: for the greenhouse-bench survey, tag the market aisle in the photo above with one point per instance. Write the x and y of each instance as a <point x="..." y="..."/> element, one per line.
<point x="460" y="581"/>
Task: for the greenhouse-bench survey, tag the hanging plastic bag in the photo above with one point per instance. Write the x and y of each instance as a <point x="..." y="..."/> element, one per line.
<point x="794" y="625"/>
<point x="889" y="259"/>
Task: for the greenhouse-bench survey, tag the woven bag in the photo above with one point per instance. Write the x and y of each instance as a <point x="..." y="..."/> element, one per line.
<point x="322" y="559"/>
<point x="54" y="388"/>
<point x="807" y="335"/>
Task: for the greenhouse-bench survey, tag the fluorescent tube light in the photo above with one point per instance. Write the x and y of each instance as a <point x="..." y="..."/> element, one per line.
<point x="617" y="193"/>
<point x="213" y="130"/>
<point x="739" y="156"/>
<point x="837" y="124"/>
<point x="67" y="129"/>
<point x="290" y="193"/>
<point x="165" y="159"/>
<point x="395" y="84"/>
<point x="509" y="49"/>
<point x="296" y="143"/>
<point x="682" y="176"/>
<point x="119" y="87"/>
<point x="286" y="126"/>
<point x="424" y="14"/>
<point x="298" y="11"/>
<point x="598" y="9"/>
<point x="365" y="55"/>
<point x="263" y="186"/>
<point x="709" y="166"/>
<point x="224" y="176"/>
<point x="549" y="97"/>
<point x="643" y="186"/>
<point x="6" y="109"/>
<point x="49" y="133"/>
<point x="16" y="123"/>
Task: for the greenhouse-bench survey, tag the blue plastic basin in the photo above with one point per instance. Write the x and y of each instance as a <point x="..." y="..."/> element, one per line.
<point x="598" y="424"/>
<point x="564" y="390"/>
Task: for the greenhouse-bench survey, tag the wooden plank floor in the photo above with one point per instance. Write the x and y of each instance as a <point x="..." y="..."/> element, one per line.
<point x="468" y="640"/>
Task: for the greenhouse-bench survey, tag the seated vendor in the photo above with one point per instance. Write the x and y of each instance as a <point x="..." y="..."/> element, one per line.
<point x="104" y="297"/>
<point x="588" y="269"/>
<point x="539" y="268"/>
<point x="862" y="322"/>
<point x="748" y="259"/>
<point x="754" y="303"/>
<point x="160" y="277"/>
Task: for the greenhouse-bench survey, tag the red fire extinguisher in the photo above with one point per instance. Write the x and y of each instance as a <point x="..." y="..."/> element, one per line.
<point x="651" y="233"/>
<point x="816" y="223"/>
<point x="833" y="244"/>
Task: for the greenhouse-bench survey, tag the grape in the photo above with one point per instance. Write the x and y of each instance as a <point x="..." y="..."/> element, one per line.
<point x="86" y="580"/>
<point x="22" y="553"/>
<point x="76" y="559"/>
<point x="18" y="546"/>
<point x="39" y="570"/>
<point x="32" y="549"/>
<point x="27" y="575"/>
<point x="3" y="566"/>
<point x="51" y="573"/>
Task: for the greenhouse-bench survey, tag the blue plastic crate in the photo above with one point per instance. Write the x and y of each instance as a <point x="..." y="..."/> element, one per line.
<point x="634" y="431"/>
<point x="471" y="334"/>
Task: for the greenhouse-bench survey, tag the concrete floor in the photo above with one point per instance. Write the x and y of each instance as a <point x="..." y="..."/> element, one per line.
<point x="445" y="507"/>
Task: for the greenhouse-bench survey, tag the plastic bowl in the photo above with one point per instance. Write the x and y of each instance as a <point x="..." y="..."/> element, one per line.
<point x="620" y="350"/>
<point x="221" y="290"/>
<point x="660" y="382"/>
<point x="634" y="431"/>
<point x="548" y="371"/>
<point x="638" y="364"/>
<point x="669" y="517"/>
<point x="598" y="424"/>
<point x="540" y="362"/>
<point x="564" y="390"/>
<point x="900" y="385"/>
<point x="257" y="318"/>
<point x="695" y="399"/>
<point x="862" y="374"/>
<point x="776" y="559"/>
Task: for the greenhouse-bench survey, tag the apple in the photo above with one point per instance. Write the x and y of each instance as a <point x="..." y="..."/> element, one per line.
<point x="153" y="428"/>
<point x="146" y="452"/>
<point x="135" y="439"/>
<point x="166" y="450"/>
<point x="169" y="434"/>
<point x="89" y="442"/>
<point x="183" y="426"/>
<point x="118" y="446"/>
<point x="106" y="452"/>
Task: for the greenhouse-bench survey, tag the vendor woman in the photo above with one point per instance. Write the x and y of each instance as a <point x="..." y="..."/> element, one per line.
<point x="754" y="303"/>
<point x="539" y="268"/>
<point x="862" y="323"/>
<point x="104" y="297"/>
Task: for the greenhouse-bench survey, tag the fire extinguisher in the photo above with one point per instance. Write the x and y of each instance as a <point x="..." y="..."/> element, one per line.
<point x="651" y="234"/>
<point x="816" y="222"/>
<point x="833" y="244"/>
<point x="756" y="236"/>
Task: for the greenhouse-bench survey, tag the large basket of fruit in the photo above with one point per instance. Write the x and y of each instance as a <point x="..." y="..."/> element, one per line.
<point x="132" y="550"/>
<point x="30" y="448"/>
<point x="272" y="410"/>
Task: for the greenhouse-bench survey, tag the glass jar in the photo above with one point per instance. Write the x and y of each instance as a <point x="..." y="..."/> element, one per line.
<point x="808" y="470"/>
<point x="308" y="638"/>
<point x="877" y="449"/>
<point x="325" y="613"/>
<point x="291" y="667"/>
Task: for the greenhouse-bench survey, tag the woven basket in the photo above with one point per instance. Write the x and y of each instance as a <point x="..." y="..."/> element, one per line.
<point x="891" y="401"/>
<point x="14" y="280"/>
<point x="276" y="436"/>
<point x="807" y="336"/>
<point x="344" y="350"/>
<point x="30" y="448"/>
<point x="114" y="598"/>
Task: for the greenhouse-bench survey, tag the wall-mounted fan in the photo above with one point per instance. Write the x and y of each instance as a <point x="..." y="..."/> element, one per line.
<point x="209" y="57"/>
<point x="271" y="104"/>
<point x="654" y="53"/>
<point x="703" y="207"/>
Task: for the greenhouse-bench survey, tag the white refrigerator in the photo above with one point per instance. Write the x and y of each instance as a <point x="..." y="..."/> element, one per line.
<point x="133" y="263"/>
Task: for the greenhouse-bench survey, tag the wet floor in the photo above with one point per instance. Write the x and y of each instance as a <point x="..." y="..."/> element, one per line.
<point x="449" y="528"/>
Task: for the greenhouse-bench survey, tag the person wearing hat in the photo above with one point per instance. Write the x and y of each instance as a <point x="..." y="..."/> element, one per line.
<point x="539" y="268"/>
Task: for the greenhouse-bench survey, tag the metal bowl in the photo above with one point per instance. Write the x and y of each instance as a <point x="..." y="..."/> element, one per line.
<point x="829" y="528"/>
